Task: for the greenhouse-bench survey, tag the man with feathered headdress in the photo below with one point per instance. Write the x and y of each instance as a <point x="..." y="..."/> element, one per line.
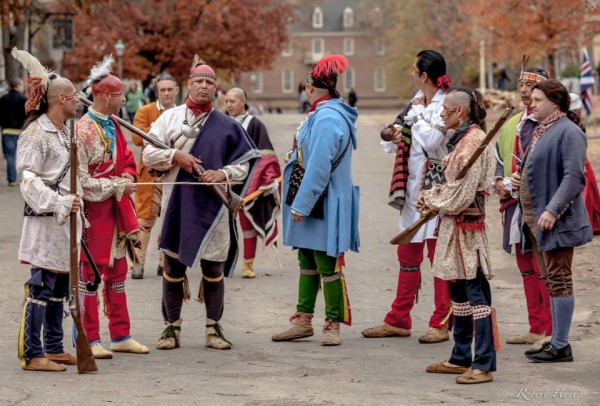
<point x="107" y="171"/>
<point x="321" y="218"/>
<point x="43" y="161"/>
<point x="513" y="140"/>
<point x="198" y="230"/>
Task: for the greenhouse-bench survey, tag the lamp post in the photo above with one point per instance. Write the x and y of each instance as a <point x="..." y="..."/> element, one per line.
<point x="119" y="50"/>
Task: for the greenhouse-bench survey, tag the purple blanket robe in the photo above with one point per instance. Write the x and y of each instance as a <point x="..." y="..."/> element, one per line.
<point x="192" y="211"/>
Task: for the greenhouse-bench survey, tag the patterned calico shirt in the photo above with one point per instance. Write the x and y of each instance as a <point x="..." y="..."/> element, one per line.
<point x="459" y="251"/>
<point x="93" y="151"/>
<point x="42" y="156"/>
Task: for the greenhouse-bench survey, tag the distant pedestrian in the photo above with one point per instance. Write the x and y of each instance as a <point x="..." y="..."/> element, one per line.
<point x="352" y="99"/>
<point x="12" y="117"/>
<point x="134" y="100"/>
<point x="150" y="91"/>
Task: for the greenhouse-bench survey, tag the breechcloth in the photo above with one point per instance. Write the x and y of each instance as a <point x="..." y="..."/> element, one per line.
<point x="314" y="266"/>
<point x="45" y="293"/>
<point x="250" y="236"/>
<point x="173" y="288"/>
<point x="146" y="225"/>
<point x="115" y="302"/>
<point x="536" y="293"/>
<point x="471" y="301"/>
<point x="410" y="257"/>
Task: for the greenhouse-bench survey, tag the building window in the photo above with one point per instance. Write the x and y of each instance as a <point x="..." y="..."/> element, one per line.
<point x="379" y="46"/>
<point x="287" y="49"/>
<point x="378" y="20"/>
<point x="348" y="17"/>
<point x="257" y="82"/>
<point x="318" y="46"/>
<point x="287" y="80"/>
<point x="349" y="79"/>
<point x="348" y="46"/>
<point x="379" y="77"/>
<point x="317" y="19"/>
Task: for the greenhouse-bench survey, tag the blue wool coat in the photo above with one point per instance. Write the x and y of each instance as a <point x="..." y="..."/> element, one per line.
<point x="322" y="138"/>
<point x="555" y="178"/>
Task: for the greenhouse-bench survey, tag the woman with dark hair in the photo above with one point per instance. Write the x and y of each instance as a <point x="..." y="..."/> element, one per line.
<point x="554" y="220"/>
<point x="462" y="252"/>
<point x="417" y="135"/>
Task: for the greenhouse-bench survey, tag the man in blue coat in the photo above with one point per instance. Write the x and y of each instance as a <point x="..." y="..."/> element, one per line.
<point x="554" y="220"/>
<point x="320" y="217"/>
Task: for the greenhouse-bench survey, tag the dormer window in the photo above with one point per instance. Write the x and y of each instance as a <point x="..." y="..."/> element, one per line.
<point x="378" y="20"/>
<point x="317" y="19"/>
<point x="348" y="17"/>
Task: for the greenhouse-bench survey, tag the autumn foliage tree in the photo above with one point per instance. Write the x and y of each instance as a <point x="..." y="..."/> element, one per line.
<point x="164" y="35"/>
<point x="544" y="29"/>
<point x="536" y="27"/>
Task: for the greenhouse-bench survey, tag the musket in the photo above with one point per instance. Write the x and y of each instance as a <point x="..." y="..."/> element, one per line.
<point x="85" y="357"/>
<point x="228" y="197"/>
<point x="428" y="214"/>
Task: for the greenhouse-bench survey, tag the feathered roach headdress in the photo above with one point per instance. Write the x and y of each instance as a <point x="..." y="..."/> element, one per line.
<point x="101" y="78"/>
<point x="325" y="72"/>
<point x="200" y="69"/>
<point x="38" y="80"/>
<point x="530" y="76"/>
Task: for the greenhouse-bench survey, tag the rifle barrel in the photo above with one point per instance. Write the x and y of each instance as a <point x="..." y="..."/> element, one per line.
<point x="233" y="204"/>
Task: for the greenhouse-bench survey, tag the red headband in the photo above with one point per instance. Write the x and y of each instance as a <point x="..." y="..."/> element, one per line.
<point x="110" y="84"/>
<point x="203" y="71"/>
<point x="531" y="77"/>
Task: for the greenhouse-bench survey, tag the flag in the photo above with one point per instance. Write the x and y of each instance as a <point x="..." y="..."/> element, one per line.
<point x="586" y="81"/>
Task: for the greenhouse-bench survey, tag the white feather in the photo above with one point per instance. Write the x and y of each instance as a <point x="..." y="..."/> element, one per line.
<point x="102" y="69"/>
<point x="32" y="65"/>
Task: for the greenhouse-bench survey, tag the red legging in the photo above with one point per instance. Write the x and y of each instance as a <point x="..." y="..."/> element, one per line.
<point x="410" y="257"/>
<point x="536" y="293"/>
<point x="249" y="236"/>
<point x="115" y="301"/>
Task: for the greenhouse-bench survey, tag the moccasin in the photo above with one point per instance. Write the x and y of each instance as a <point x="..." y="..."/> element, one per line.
<point x="44" y="365"/>
<point x="64" y="358"/>
<point x="473" y="376"/>
<point x="385" y="330"/>
<point x="446" y="368"/>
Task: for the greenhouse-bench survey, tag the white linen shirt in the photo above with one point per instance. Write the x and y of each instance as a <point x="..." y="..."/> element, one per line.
<point x="427" y="137"/>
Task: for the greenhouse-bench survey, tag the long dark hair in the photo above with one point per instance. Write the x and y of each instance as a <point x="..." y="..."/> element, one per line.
<point x="558" y="94"/>
<point x="434" y="65"/>
<point x="478" y="113"/>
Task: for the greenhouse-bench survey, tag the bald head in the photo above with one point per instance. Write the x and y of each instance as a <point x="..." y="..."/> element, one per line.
<point x="59" y="86"/>
<point x="235" y="102"/>
<point x="460" y="98"/>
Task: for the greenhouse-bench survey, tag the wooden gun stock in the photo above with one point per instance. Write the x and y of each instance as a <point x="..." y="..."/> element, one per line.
<point x="231" y="200"/>
<point x="85" y="357"/>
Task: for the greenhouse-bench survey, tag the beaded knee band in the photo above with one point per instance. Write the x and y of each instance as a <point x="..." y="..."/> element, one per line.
<point x="461" y="309"/>
<point x="309" y="272"/>
<point x="481" y="312"/>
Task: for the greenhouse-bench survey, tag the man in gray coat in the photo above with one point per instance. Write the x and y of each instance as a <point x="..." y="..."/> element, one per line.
<point x="554" y="220"/>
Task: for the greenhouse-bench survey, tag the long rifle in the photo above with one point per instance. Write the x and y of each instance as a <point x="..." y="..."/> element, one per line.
<point x="231" y="200"/>
<point x="427" y="214"/>
<point x="85" y="357"/>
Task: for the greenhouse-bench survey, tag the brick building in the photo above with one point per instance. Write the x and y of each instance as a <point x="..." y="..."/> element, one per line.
<point x="349" y="27"/>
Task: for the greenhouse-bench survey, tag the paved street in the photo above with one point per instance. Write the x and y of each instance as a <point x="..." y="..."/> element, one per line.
<point x="259" y="372"/>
